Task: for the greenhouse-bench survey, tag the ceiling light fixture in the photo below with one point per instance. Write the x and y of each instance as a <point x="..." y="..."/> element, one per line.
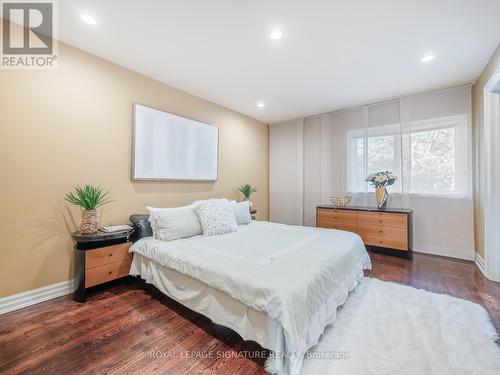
<point x="260" y="105"/>
<point x="428" y="58"/>
<point x="88" y="19"/>
<point x="276" y="34"/>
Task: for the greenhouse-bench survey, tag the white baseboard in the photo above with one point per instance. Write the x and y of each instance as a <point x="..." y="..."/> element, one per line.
<point x="444" y="251"/>
<point x="480" y="264"/>
<point x="32" y="297"/>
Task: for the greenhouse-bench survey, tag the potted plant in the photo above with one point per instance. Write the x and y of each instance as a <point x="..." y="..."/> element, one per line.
<point x="380" y="181"/>
<point x="89" y="198"/>
<point x="247" y="191"/>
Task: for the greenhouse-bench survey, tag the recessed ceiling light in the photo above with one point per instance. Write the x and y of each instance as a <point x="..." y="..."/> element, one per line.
<point x="428" y="57"/>
<point x="276" y="34"/>
<point x="88" y="19"/>
<point x="260" y="105"/>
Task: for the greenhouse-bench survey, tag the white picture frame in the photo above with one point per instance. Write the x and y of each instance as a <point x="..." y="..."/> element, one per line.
<point x="171" y="147"/>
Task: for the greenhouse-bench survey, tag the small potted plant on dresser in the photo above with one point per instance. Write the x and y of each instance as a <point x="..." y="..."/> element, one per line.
<point x="247" y="190"/>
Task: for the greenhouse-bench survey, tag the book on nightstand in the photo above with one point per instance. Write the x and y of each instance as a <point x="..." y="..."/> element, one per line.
<point x="116" y="228"/>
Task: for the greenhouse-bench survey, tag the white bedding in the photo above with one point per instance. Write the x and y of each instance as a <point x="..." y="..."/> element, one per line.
<point x="288" y="272"/>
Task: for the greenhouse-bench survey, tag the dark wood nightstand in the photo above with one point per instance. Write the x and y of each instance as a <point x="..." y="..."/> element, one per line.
<point x="253" y="213"/>
<point x="100" y="258"/>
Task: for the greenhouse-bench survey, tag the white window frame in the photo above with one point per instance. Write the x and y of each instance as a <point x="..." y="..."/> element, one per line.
<point x="459" y="122"/>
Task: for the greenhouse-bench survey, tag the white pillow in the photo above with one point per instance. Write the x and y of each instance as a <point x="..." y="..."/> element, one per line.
<point x="216" y="219"/>
<point x="152" y="217"/>
<point x="242" y="212"/>
<point x="174" y="223"/>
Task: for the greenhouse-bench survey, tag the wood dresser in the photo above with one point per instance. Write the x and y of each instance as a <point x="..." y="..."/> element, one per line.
<point x="389" y="231"/>
<point x="100" y="258"/>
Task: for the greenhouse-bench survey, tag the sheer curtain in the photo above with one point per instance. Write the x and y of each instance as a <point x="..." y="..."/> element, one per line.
<point x="341" y="148"/>
<point x="424" y="139"/>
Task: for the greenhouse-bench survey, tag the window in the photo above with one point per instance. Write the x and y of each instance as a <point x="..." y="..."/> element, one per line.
<point x="383" y="144"/>
<point x="432" y="156"/>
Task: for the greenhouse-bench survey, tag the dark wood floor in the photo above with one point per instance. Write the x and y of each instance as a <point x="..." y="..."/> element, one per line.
<point x="128" y="328"/>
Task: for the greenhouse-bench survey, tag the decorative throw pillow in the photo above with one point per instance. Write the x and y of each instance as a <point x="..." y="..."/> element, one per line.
<point x="216" y="219"/>
<point x="242" y="212"/>
<point x="174" y="223"/>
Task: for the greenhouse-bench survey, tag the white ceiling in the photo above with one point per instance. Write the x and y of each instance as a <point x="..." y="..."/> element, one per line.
<point x="334" y="53"/>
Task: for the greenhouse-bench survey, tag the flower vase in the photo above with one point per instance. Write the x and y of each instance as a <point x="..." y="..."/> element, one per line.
<point x="88" y="224"/>
<point x="382" y="195"/>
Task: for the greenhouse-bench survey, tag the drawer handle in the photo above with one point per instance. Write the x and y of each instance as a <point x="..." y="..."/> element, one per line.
<point x="335" y="217"/>
<point x="380" y="231"/>
<point x="110" y="272"/>
<point x="381" y="241"/>
<point x="110" y="254"/>
<point x="380" y="221"/>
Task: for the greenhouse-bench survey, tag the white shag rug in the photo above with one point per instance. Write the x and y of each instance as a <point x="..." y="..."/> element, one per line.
<point x="386" y="328"/>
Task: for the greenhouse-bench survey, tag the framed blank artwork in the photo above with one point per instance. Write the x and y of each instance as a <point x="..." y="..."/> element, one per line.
<point x="170" y="147"/>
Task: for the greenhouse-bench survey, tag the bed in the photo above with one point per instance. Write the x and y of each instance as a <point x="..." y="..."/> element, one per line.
<point x="275" y="284"/>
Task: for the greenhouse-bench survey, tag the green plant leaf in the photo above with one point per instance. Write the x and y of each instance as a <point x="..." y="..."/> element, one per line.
<point x="88" y="197"/>
<point x="247" y="190"/>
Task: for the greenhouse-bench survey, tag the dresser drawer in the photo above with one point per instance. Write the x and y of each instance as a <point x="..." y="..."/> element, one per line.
<point x="386" y="231"/>
<point x="383" y="219"/>
<point x="327" y="218"/>
<point x="344" y="226"/>
<point x="107" y="255"/>
<point x="392" y="243"/>
<point x="107" y="272"/>
<point x="382" y="232"/>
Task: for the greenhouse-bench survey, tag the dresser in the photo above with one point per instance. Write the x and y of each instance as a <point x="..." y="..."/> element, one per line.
<point x="389" y="231"/>
<point x="100" y="258"/>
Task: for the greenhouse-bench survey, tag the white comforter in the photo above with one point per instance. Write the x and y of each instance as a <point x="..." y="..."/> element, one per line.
<point x="286" y="271"/>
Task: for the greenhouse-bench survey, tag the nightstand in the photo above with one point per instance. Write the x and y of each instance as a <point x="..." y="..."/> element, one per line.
<point x="100" y="258"/>
<point x="253" y="213"/>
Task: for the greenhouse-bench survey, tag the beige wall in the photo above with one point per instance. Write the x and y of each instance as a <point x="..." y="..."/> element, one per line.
<point x="478" y="126"/>
<point x="73" y="126"/>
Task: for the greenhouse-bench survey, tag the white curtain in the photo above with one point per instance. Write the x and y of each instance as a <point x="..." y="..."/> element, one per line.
<point x="424" y="139"/>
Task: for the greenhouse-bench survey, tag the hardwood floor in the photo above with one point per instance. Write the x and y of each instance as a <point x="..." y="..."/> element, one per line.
<point x="131" y="328"/>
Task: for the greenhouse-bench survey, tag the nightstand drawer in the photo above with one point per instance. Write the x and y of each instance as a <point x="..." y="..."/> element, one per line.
<point x="108" y="272"/>
<point x="107" y="255"/>
<point x="383" y="219"/>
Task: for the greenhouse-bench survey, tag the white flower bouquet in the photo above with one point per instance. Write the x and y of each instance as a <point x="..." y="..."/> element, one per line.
<point x="382" y="179"/>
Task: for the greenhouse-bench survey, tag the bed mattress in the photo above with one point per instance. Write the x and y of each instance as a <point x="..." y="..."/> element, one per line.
<point x="275" y="284"/>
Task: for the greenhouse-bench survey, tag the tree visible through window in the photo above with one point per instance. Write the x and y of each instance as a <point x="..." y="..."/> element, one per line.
<point x="434" y="154"/>
<point x="433" y="161"/>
